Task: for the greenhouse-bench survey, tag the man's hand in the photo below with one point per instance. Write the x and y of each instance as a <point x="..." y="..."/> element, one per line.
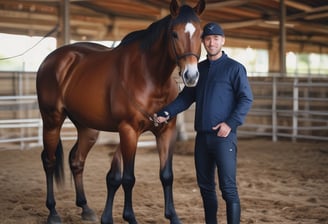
<point x="162" y="117"/>
<point x="224" y="129"/>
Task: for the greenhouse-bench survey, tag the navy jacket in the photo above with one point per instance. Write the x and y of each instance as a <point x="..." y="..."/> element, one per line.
<point x="222" y="94"/>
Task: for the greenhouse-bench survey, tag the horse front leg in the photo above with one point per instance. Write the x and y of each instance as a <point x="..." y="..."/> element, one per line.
<point x="127" y="150"/>
<point x="113" y="181"/>
<point x="128" y="141"/>
<point x="165" y="146"/>
<point x="78" y="154"/>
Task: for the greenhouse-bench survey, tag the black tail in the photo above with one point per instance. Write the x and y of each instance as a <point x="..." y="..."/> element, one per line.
<point x="59" y="167"/>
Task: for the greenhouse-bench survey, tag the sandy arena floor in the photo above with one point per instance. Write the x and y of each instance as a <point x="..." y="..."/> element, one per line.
<point x="283" y="183"/>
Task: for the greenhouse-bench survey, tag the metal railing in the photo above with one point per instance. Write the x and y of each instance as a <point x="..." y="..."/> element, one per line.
<point x="299" y="109"/>
<point x="292" y="108"/>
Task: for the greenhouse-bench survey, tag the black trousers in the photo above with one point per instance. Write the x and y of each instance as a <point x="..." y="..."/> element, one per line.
<point x="213" y="153"/>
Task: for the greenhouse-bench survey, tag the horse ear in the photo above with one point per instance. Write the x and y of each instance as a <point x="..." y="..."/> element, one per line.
<point x="199" y="8"/>
<point x="174" y="8"/>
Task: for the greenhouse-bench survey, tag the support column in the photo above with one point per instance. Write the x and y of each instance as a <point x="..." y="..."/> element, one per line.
<point x="282" y="40"/>
<point x="274" y="56"/>
<point x="64" y="17"/>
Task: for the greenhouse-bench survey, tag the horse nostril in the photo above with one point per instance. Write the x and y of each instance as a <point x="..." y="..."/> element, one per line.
<point x="190" y="79"/>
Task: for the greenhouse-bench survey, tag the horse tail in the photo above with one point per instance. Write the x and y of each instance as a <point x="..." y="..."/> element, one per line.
<point x="59" y="167"/>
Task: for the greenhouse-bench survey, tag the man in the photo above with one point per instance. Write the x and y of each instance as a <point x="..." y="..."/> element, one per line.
<point x="223" y="97"/>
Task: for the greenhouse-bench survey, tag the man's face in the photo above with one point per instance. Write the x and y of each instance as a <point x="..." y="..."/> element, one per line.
<point x="213" y="44"/>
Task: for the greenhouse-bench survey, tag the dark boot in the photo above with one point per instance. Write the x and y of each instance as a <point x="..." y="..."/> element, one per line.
<point x="233" y="213"/>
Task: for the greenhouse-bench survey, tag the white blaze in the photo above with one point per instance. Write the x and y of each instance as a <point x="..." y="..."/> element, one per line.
<point x="190" y="28"/>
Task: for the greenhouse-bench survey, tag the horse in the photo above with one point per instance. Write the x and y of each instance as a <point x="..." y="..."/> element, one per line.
<point x="117" y="90"/>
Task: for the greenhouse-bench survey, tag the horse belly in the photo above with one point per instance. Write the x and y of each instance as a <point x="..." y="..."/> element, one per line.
<point x="93" y="118"/>
<point x="89" y="105"/>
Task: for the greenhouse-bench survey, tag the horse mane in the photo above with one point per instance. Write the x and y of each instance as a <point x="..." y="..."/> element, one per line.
<point x="148" y="36"/>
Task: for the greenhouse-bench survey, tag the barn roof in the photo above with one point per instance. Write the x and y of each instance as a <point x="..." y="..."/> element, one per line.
<point x="248" y="21"/>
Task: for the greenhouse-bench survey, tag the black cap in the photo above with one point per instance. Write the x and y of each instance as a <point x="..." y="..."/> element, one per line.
<point x="212" y="29"/>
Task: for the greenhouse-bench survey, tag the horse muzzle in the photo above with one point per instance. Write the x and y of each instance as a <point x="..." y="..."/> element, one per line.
<point x="190" y="75"/>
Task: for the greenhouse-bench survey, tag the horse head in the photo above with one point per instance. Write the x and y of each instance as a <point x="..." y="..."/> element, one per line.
<point x="185" y="31"/>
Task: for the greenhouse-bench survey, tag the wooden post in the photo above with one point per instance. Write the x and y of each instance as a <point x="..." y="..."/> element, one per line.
<point x="274" y="109"/>
<point x="64" y="18"/>
<point x="274" y="56"/>
<point x="295" y="109"/>
<point x="282" y="44"/>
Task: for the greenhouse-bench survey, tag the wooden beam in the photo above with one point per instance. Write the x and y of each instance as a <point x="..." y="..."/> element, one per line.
<point x="238" y="12"/>
<point x="44" y="27"/>
<point x="298" y="5"/>
<point x="25" y="16"/>
<point x="312" y="28"/>
<point x="242" y="43"/>
<point x="231" y="3"/>
<point x="241" y="24"/>
<point x="304" y="14"/>
<point x="317" y="16"/>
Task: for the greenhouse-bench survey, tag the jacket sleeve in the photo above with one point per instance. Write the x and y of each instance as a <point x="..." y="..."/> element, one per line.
<point x="183" y="101"/>
<point x="243" y="98"/>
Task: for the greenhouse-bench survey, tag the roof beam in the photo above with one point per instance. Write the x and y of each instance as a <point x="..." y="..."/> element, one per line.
<point x="241" y="24"/>
<point x="299" y="6"/>
<point x="231" y="3"/>
<point x="304" y="14"/>
<point x="317" y="16"/>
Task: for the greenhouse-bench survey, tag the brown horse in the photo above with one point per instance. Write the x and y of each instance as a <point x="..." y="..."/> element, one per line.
<point x="117" y="90"/>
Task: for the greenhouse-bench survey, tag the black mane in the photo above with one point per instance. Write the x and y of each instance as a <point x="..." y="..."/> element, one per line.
<point x="148" y="36"/>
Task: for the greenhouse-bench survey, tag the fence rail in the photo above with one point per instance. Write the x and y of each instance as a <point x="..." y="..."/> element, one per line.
<point x="298" y="108"/>
<point x="288" y="108"/>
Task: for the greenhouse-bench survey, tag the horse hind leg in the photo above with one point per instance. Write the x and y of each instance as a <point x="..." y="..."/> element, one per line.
<point x="52" y="160"/>
<point x="86" y="139"/>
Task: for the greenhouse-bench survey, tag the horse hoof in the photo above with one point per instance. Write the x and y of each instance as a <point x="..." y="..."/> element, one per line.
<point x="175" y="220"/>
<point x="54" y="219"/>
<point x="130" y="219"/>
<point x="133" y="222"/>
<point x="89" y="215"/>
<point x="106" y="222"/>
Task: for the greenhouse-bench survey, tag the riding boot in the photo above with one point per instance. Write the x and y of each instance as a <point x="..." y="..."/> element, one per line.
<point x="233" y="213"/>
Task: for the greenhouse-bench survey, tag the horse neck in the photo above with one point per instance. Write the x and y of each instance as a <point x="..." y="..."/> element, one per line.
<point x="161" y="64"/>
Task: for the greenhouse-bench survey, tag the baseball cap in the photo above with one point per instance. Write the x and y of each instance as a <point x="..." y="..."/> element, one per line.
<point x="212" y="29"/>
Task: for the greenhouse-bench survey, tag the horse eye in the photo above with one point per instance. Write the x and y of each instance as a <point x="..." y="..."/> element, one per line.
<point x="175" y="35"/>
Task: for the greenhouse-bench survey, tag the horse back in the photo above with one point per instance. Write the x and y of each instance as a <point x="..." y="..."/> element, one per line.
<point x="65" y="57"/>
